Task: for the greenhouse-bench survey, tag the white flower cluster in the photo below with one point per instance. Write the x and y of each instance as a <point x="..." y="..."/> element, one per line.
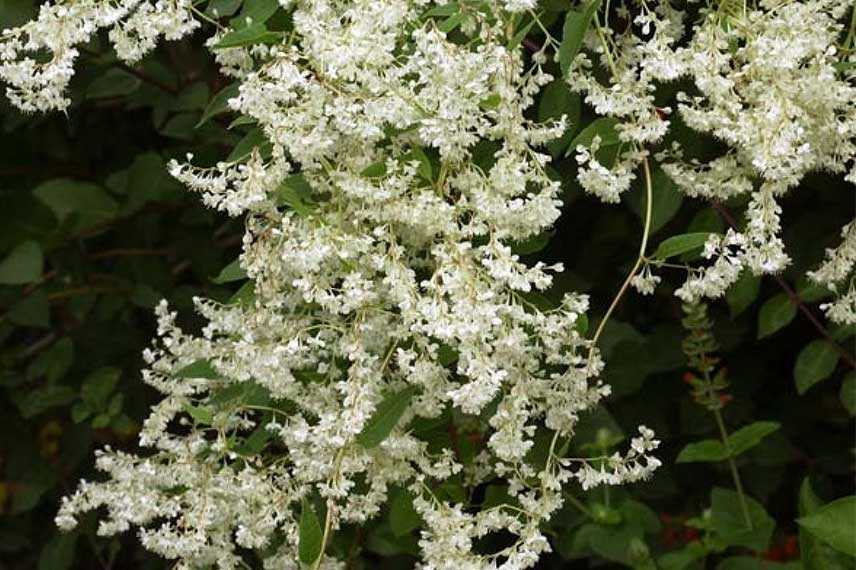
<point x="379" y="246"/>
<point x="37" y="58"/>
<point x="770" y="82"/>
<point x="836" y="273"/>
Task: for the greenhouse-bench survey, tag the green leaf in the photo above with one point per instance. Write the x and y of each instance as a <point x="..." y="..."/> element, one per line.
<point x="385" y="417"/>
<point x="256" y="441"/>
<point x="712" y="450"/>
<point x="66" y="197"/>
<point x="202" y="415"/>
<point x="743" y="293"/>
<point x="254" y="139"/>
<point x="492" y="101"/>
<point x="222" y="8"/>
<point x="557" y="100"/>
<point x="424" y="169"/>
<point x="666" y="200"/>
<point x="114" y="82"/>
<point x="752" y="563"/>
<point x="518" y="38"/>
<point x="403" y="518"/>
<point x="24" y="264"/>
<point x="573" y="33"/>
<point x="531" y="245"/>
<point x="101" y="421"/>
<point x="374" y="170"/>
<point x="232" y="272"/>
<point x="98" y="386"/>
<point x="809" y="291"/>
<point x="679" y="244"/>
<point x="603" y="127"/>
<point x="219" y="104"/>
<point x="848" y="393"/>
<point x="245" y="295"/>
<point x="54" y="362"/>
<point x="296" y="193"/>
<point x="250" y="35"/>
<point x="705" y="451"/>
<point x="309" y="535"/>
<point x="833" y="524"/>
<point x="816" y="554"/>
<point x="776" y="313"/>
<point x="682" y="559"/>
<point x="58" y="553"/>
<point x="728" y="521"/>
<point x="815" y="362"/>
<point x="451" y="22"/>
<point x="749" y="436"/>
<point x="42" y="399"/>
<point x="32" y="311"/>
<point x="256" y="11"/>
<point x="198" y="369"/>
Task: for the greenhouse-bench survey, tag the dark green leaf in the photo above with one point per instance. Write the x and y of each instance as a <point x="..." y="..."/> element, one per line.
<point x="88" y="202"/>
<point x="375" y="170"/>
<point x="743" y="293"/>
<point x="296" y="193"/>
<point x="58" y="553"/>
<point x="666" y="200"/>
<point x="705" y="451"/>
<point x="403" y="518"/>
<point x="24" y="264"/>
<point x="728" y="520"/>
<point x="749" y="436"/>
<point x="232" y="272"/>
<point x="98" y="386"/>
<point x="114" y="82"/>
<point x="40" y="400"/>
<point x="31" y="311"/>
<point x="816" y="554"/>
<point x="309" y="535"/>
<point x="202" y="415"/>
<point x="557" y="100"/>
<point x="848" y="393"/>
<point x="385" y="417"/>
<point x="776" y="313"/>
<point x="573" y="33"/>
<point x="751" y="563"/>
<point x="219" y="104"/>
<point x="253" y="34"/>
<point x="815" y="362"/>
<point x="603" y="127"/>
<point x="677" y="245"/>
<point x="222" y="8"/>
<point x="256" y="12"/>
<point x="833" y="524"/>
<point x="198" y="369"/>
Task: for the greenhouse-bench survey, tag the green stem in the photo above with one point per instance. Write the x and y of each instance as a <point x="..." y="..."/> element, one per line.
<point x="639" y="259"/>
<point x="607" y="54"/>
<point x="331" y="506"/>
<point x="579" y="505"/>
<point x="735" y="474"/>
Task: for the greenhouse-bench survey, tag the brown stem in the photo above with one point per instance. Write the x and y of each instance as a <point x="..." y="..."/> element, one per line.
<point x="136" y="73"/>
<point x="793" y="296"/>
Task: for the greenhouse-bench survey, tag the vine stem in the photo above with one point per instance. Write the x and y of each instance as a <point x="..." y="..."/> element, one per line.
<point x="328" y="518"/>
<point x="639" y="259"/>
<point x="735" y="474"/>
<point x="793" y="295"/>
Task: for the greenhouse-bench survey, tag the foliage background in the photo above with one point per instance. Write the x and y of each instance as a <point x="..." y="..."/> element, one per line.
<point x="103" y="233"/>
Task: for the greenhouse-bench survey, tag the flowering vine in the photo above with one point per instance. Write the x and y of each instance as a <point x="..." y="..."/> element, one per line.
<point x="396" y="172"/>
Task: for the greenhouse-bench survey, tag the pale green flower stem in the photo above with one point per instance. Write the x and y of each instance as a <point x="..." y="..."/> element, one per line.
<point x="639" y="259"/>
